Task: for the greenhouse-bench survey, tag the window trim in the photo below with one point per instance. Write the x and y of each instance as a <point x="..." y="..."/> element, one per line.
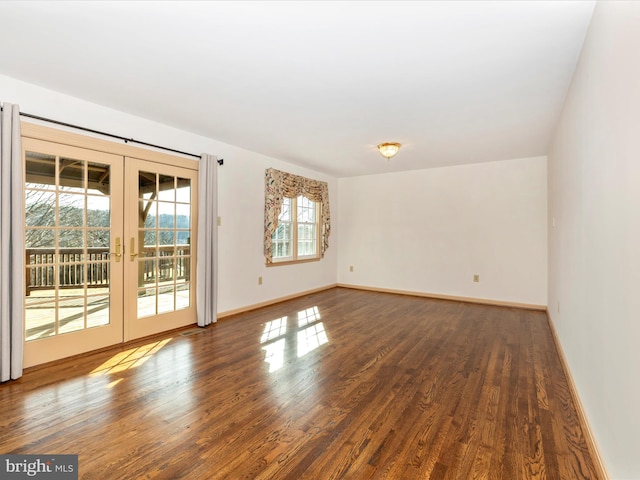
<point x="277" y="263"/>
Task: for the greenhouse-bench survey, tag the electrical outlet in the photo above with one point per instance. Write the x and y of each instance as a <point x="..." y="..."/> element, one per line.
<point x="259" y="280"/>
<point x="351" y="268"/>
<point x="219" y="221"/>
<point x="476" y="278"/>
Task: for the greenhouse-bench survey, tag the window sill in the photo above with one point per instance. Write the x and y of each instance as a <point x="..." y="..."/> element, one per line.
<point x="293" y="262"/>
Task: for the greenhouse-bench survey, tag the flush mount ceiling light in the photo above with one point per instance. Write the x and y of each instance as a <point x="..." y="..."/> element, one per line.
<point x="388" y="149"/>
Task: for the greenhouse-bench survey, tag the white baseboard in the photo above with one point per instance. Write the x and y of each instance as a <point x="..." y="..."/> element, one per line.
<point x="273" y="301"/>
<point x="582" y="416"/>
<point x="482" y="301"/>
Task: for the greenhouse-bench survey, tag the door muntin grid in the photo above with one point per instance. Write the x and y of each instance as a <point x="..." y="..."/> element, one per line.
<point x="67" y="239"/>
<point x="164" y="235"/>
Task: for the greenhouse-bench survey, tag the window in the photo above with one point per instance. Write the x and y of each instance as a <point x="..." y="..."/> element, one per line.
<point x="296" y="237"/>
<point x="297" y="222"/>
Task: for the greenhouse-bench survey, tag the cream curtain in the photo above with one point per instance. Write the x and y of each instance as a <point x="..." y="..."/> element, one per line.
<point x="207" y="271"/>
<point x="279" y="185"/>
<point x="11" y="245"/>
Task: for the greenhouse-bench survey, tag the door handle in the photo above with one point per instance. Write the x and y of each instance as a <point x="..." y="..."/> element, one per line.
<point x="118" y="253"/>
<point x="133" y="249"/>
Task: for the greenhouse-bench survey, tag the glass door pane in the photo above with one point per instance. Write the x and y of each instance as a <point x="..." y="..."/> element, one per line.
<point x="164" y="233"/>
<point x="69" y="229"/>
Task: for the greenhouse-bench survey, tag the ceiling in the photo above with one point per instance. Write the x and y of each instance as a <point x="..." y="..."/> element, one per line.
<point x="318" y="84"/>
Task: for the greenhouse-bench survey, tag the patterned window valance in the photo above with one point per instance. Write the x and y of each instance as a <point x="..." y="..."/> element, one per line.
<point x="279" y="185"/>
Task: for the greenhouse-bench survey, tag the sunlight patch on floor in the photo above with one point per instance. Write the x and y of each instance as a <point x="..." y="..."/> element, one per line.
<point x="132" y="358"/>
<point x="307" y="334"/>
<point x="274" y="354"/>
<point x="311" y="338"/>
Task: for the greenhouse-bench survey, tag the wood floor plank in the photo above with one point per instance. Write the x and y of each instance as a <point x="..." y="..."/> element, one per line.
<point x="339" y="384"/>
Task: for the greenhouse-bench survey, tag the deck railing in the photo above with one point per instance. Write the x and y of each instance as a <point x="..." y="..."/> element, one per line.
<point x="41" y="266"/>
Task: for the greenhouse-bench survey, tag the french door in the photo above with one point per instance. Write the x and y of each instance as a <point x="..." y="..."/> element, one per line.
<point x="109" y="249"/>
<point x="160" y="233"/>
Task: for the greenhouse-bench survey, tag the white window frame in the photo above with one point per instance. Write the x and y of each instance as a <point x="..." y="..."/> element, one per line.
<point x="295" y="256"/>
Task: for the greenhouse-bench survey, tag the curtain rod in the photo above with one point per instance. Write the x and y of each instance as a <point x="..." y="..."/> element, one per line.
<point x="126" y="140"/>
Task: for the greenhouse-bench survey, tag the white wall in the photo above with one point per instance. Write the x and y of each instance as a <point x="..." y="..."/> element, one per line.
<point x="240" y="195"/>
<point x="431" y="230"/>
<point x="594" y="249"/>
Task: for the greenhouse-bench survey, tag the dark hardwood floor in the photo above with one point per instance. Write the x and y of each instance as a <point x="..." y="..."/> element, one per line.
<point x="338" y="384"/>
